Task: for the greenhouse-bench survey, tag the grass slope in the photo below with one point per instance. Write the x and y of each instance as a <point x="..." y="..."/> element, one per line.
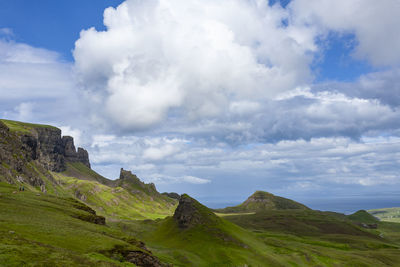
<point x="44" y="230"/>
<point x="249" y="240"/>
<point x="112" y="201"/>
<point x="23" y="127"/>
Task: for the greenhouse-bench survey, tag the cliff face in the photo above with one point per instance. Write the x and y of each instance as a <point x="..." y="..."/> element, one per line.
<point x="25" y="144"/>
<point x="52" y="151"/>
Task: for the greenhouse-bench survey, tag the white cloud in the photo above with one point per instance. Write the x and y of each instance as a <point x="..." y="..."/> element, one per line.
<point x="374" y="23"/>
<point x="195" y="180"/>
<point x="190" y="59"/>
<point x="157" y="153"/>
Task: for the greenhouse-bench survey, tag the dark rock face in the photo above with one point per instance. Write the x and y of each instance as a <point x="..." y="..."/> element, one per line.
<point x="71" y="154"/>
<point x="191" y="213"/>
<point x="83" y="157"/>
<point x="69" y="148"/>
<point x="27" y="156"/>
<point x="140" y="257"/>
<point x="52" y="151"/>
<point x="14" y="158"/>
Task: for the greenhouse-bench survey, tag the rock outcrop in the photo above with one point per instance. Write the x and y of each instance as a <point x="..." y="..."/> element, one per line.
<point x="40" y="145"/>
<point x="190" y="213"/>
<point x="131" y="182"/>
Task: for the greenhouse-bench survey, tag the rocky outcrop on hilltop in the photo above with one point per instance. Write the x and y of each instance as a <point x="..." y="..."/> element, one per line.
<point x="190" y="213"/>
<point x="71" y="154"/>
<point x="131" y="182"/>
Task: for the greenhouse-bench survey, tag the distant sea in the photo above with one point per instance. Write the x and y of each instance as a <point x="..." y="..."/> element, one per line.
<point x="346" y="205"/>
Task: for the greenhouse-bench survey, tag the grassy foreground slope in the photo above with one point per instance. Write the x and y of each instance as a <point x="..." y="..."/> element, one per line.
<point x="44" y="230"/>
<point x="211" y="241"/>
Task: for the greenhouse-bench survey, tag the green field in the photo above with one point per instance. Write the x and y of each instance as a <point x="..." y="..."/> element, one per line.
<point x="387" y="214"/>
<point x="23" y="127"/>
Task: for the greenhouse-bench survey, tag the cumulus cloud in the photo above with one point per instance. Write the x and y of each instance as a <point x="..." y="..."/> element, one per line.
<point x="237" y="71"/>
<point x="374" y="24"/>
<point x="191" y="59"/>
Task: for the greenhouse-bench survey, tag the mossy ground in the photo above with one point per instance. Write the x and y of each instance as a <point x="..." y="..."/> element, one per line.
<point x="115" y="202"/>
<point x="23" y="127"/>
<point x="42" y="230"/>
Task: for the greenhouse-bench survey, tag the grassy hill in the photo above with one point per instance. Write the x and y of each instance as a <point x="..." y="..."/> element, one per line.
<point x="45" y="230"/>
<point x="37" y="157"/>
<point x="114" y="199"/>
<point x="249" y="239"/>
<point x="261" y="201"/>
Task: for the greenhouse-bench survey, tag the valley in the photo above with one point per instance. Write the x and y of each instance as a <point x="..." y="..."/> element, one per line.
<point x="69" y="215"/>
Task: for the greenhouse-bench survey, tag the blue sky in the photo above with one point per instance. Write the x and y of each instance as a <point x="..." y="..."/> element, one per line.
<point x="217" y="99"/>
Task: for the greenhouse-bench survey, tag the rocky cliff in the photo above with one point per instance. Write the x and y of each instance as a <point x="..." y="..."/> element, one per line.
<point x="26" y="148"/>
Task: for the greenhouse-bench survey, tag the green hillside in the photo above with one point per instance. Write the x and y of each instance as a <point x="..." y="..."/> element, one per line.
<point x="117" y="199"/>
<point x="44" y="230"/>
<point x="40" y="159"/>
<point x="261" y="201"/>
<point x="206" y="240"/>
<point x="363" y="216"/>
<point x="69" y="215"/>
<point x="23" y="127"/>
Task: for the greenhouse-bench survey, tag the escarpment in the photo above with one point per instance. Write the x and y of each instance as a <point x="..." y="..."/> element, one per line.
<point x="26" y="149"/>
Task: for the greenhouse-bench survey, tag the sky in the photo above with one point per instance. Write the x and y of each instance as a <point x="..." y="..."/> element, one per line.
<point x="217" y="99"/>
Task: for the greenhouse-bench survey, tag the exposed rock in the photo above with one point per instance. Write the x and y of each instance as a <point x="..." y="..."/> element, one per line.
<point x="26" y="155"/>
<point x="190" y="213"/>
<point x="140" y="257"/>
<point x="131" y="182"/>
<point x="43" y="188"/>
<point x="69" y="148"/>
<point x="83" y="157"/>
<point x="80" y="196"/>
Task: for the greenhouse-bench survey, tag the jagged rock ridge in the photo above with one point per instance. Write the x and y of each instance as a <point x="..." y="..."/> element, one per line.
<point x="47" y="146"/>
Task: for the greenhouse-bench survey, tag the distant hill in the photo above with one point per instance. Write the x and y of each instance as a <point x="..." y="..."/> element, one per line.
<point x="261" y="201"/>
<point x="363" y="216"/>
<point x="39" y="158"/>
